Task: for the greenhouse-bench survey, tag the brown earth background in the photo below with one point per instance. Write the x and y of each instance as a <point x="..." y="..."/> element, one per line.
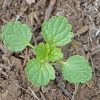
<point x="84" y="15"/>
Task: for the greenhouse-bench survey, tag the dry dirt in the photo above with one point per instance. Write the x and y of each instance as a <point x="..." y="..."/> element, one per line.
<point x="84" y="15"/>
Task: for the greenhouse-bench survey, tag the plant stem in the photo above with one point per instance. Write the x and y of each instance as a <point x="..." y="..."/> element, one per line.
<point x="30" y="45"/>
<point x="61" y="62"/>
<point x="75" y="92"/>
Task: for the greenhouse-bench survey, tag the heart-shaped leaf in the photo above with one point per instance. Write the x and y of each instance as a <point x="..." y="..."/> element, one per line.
<point x="16" y="36"/>
<point x="77" y="70"/>
<point x="39" y="73"/>
<point x="57" y="31"/>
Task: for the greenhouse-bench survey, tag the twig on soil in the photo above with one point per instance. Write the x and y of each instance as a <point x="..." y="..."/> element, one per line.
<point x="96" y="2"/>
<point x="35" y="42"/>
<point x="34" y="95"/>
<point x="95" y="50"/>
<point x="31" y="93"/>
<point x="82" y="30"/>
<point x="37" y="18"/>
<point x="93" y="68"/>
<point x="92" y="7"/>
<point x="23" y="89"/>
<point x="26" y="57"/>
<point x="89" y="56"/>
<point x="71" y="8"/>
<point x="42" y="96"/>
<point x="6" y="3"/>
<point x="5" y="51"/>
<point x="75" y="92"/>
<point x="2" y="72"/>
<point x="30" y="1"/>
<point x="49" y="9"/>
<point x="65" y="91"/>
<point x="17" y="17"/>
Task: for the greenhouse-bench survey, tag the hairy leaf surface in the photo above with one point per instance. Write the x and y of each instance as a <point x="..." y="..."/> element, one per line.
<point x="77" y="70"/>
<point x="46" y="52"/>
<point x="39" y="73"/>
<point x="55" y="54"/>
<point x="57" y="31"/>
<point x="42" y="51"/>
<point x="16" y="36"/>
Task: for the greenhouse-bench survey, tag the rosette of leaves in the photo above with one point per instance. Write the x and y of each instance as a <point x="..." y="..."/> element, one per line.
<point x="56" y="32"/>
<point x="47" y="53"/>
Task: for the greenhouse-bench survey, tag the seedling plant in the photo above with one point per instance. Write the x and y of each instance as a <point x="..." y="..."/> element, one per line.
<point x="56" y="32"/>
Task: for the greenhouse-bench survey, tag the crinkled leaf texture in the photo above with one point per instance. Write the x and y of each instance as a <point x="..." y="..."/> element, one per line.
<point x="16" y="36"/>
<point x="55" y="54"/>
<point x="46" y="52"/>
<point x="57" y="31"/>
<point x="39" y="73"/>
<point x="77" y="70"/>
<point x="42" y="51"/>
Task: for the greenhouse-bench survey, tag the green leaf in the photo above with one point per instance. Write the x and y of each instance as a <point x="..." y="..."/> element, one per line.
<point x="16" y="36"/>
<point x="57" y="31"/>
<point x="77" y="70"/>
<point x="55" y="54"/>
<point x="46" y="52"/>
<point x="39" y="73"/>
<point x="42" y="51"/>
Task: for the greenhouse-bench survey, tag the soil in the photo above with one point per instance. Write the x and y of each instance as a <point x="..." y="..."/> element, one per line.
<point x="84" y="15"/>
